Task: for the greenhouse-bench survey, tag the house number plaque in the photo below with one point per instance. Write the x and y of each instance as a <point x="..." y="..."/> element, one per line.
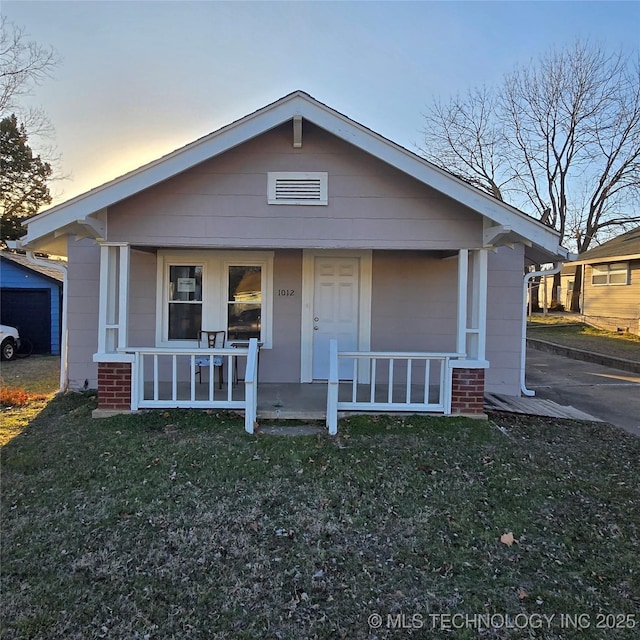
<point x="286" y="292"/>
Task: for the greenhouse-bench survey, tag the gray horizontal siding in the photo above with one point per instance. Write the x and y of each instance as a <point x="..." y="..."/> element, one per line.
<point x="223" y="203"/>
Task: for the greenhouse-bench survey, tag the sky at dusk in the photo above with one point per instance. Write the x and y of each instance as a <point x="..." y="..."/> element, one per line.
<point x="139" y="79"/>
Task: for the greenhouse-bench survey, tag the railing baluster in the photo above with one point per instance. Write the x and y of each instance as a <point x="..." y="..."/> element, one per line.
<point x="174" y="378"/>
<point x="354" y="382"/>
<point x="192" y="376"/>
<point x="212" y="377"/>
<point x="427" y="379"/>
<point x="229" y="378"/>
<point x="408" y="394"/>
<point x="372" y="393"/>
<point x="390" y="383"/>
<point x="155" y="376"/>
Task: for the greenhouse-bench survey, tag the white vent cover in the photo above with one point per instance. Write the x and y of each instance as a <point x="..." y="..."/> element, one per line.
<point x="288" y="187"/>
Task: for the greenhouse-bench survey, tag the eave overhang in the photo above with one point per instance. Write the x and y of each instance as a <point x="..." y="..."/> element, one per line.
<point x="603" y="260"/>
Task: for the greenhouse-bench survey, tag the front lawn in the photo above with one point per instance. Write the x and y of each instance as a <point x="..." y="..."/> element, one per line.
<point x="179" y="525"/>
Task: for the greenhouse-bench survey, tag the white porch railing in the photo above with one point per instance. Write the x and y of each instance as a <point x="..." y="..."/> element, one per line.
<point x="419" y="382"/>
<point x="164" y="378"/>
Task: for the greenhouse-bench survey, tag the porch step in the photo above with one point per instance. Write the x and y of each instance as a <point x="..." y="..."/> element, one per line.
<point x="291" y="430"/>
<point x="299" y="402"/>
<point x="277" y="413"/>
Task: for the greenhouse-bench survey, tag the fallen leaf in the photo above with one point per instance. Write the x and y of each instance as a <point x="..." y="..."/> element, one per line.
<point x="507" y="538"/>
<point x="522" y="594"/>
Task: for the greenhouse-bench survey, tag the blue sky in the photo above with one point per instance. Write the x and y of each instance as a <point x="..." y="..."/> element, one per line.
<point x="139" y="79"/>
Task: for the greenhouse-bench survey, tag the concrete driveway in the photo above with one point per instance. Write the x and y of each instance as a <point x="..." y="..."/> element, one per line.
<point x="610" y="394"/>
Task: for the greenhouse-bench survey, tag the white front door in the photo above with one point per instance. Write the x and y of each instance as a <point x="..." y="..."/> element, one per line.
<point x="335" y="309"/>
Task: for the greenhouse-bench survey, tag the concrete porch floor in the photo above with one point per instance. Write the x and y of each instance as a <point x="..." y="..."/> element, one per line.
<point x="280" y="401"/>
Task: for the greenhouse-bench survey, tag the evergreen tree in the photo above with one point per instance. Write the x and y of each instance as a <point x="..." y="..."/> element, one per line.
<point x="23" y="179"/>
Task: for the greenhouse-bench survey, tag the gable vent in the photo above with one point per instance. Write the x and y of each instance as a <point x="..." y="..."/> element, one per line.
<point x="297" y="188"/>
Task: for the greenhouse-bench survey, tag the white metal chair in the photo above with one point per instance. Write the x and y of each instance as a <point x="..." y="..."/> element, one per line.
<point x="211" y="340"/>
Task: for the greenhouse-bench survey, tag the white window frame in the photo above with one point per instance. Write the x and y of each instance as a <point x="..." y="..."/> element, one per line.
<point x="321" y="176"/>
<point x="608" y="269"/>
<point x="215" y="290"/>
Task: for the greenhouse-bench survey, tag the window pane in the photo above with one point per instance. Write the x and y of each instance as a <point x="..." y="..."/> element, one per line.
<point x="618" y="277"/>
<point x="245" y="284"/>
<point x="245" y="296"/>
<point x="185" y="283"/>
<point x="599" y="274"/>
<point x="185" y="320"/>
<point x="244" y="321"/>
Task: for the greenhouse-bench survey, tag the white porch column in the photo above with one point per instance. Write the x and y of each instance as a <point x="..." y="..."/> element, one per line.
<point x="463" y="277"/>
<point x="113" y="304"/>
<point x="123" y="297"/>
<point x="478" y="314"/>
<point x="472" y="303"/>
<point x="467" y="375"/>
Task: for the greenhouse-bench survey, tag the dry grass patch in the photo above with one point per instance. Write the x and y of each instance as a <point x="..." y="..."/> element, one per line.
<point x="26" y="385"/>
<point x="551" y="318"/>
<point x="582" y="336"/>
<point x="35" y="374"/>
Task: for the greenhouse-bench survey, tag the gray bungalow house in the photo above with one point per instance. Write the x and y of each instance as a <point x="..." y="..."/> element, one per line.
<point x="332" y="258"/>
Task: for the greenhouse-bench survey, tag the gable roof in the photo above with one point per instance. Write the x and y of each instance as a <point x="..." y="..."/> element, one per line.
<point x="623" y="247"/>
<point x="78" y="214"/>
<point x="22" y="262"/>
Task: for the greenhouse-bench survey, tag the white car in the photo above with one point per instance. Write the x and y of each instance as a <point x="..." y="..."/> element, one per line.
<point x="9" y="341"/>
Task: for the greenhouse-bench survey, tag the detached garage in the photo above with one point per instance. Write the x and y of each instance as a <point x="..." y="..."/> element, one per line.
<point x="31" y="300"/>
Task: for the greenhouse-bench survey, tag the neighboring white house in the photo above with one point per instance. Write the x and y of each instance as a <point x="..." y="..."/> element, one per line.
<point x="296" y="226"/>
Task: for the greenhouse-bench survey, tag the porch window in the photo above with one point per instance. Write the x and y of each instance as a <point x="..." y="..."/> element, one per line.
<point x="244" y="302"/>
<point x="614" y="273"/>
<point x="185" y="301"/>
<point x="214" y="290"/>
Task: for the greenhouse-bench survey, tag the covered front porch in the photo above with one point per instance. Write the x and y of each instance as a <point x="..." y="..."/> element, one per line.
<point x="364" y="379"/>
<point x="149" y="378"/>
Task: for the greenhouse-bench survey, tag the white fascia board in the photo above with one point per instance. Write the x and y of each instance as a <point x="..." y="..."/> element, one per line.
<point x="621" y="258"/>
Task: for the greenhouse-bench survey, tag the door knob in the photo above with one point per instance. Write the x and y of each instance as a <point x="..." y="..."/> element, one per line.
<point x="315" y="327"/>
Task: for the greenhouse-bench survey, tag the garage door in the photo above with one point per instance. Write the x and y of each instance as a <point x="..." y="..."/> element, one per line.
<point x="30" y="311"/>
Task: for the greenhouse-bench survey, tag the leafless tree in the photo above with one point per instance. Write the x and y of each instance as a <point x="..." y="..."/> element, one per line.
<point x="559" y="138"/>
<point x="25" y="65"/>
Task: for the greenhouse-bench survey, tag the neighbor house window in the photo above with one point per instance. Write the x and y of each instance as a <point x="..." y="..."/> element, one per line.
<point x="610" y="274"/>
<point x="214" y="290"/>
<point x="184" y="302"/>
